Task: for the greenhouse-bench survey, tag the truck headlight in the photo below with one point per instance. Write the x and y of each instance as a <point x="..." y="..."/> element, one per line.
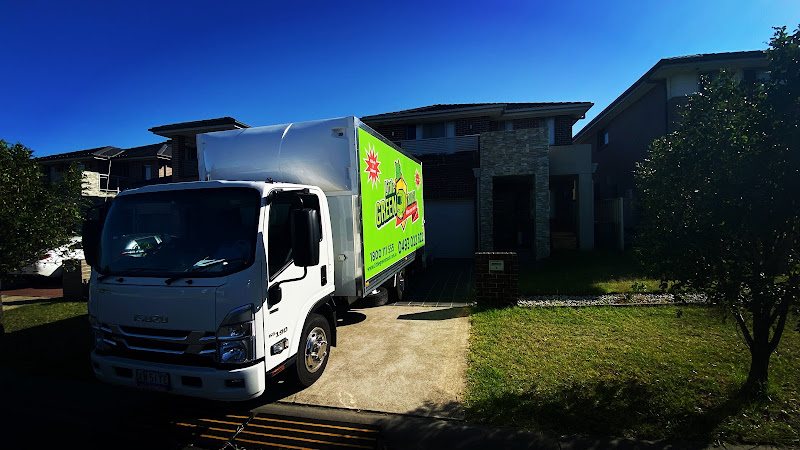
<point x="98" y="334"/>
<point x="235" y="352"/>
<point x="235" y="338"/>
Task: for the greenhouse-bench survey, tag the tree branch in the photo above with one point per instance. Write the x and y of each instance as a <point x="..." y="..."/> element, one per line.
<point x="776" y="336"/>
<point x="740" y="320"/>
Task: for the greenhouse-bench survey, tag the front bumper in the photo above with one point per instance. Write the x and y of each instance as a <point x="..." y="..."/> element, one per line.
<point x="204" y="382"/>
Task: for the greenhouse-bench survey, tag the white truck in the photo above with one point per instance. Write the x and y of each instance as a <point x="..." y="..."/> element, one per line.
<point x="209" y="288"/>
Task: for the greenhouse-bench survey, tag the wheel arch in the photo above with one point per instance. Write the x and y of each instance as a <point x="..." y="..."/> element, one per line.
<point x="325" y="308"/>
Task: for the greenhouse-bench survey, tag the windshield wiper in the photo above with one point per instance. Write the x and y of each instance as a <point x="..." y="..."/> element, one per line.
<point x="171" y="280"/>
<point x="126" y="272"/>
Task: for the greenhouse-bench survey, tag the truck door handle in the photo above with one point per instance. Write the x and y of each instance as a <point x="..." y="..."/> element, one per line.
<point x="324" y="275"/>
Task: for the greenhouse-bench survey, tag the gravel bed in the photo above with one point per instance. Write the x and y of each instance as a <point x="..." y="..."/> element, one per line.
<point x="608" y="299"/>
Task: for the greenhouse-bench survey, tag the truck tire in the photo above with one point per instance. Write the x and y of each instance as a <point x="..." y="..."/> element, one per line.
<point x="396" y="291"/>
<point x="312" y="356"/>
<point x="378" y="297"/>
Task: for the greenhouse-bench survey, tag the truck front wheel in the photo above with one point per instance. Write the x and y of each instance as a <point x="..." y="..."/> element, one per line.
<point x="312" y="356"/>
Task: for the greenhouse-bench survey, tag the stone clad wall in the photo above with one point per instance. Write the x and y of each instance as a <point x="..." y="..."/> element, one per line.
<point x="519" y="152"/>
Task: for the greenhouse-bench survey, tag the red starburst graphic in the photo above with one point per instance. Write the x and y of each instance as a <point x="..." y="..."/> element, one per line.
<point x="372" y="166"/>
<point x="417" y="177"/>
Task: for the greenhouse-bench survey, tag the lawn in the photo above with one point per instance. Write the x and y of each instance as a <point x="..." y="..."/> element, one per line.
<point x="48" y="338"/>
<point x="665" y="372"/>
<point x="584" y="273"/>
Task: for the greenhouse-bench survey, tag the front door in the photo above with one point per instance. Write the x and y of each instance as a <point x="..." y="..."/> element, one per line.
<point x="514" y="224"/>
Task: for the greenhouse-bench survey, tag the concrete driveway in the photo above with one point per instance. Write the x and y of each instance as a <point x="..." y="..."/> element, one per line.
<point x="395" y="359"/>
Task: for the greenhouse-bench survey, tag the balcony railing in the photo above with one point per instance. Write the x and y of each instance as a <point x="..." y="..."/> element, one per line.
<point x="439" y="146"/>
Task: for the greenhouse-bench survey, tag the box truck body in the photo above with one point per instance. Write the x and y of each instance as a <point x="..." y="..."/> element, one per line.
<point x="209" y="288"/>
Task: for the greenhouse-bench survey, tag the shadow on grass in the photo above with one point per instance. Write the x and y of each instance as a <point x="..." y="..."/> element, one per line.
<point x="622" y="409"/>
<point x="577" y="272"/>
<point x="58" y="348"/>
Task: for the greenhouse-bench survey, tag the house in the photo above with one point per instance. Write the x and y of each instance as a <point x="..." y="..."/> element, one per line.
<point x="183" y="141"/>
<point x="108" y="170"/>
<point x="499" y="176"/>
<point x="620" y="134"/>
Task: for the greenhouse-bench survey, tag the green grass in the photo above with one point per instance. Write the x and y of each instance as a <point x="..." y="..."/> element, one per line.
<point x="584" y="273"/>
<point x="49" y="338"/>
<point x="646" y="372"/>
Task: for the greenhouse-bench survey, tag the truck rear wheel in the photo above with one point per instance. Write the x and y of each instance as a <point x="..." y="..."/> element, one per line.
<point x="378" y="297"/>
<point x="396" y="291"/>
<point x="312" y="356"/>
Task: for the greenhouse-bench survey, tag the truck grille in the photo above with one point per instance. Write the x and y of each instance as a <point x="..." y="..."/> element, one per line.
<point x="158" y="345"/>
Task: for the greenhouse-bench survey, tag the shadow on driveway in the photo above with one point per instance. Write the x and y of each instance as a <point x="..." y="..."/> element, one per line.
<point x="445" y="282"/>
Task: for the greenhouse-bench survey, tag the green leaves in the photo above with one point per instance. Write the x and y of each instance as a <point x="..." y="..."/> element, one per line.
<point x="721" y="195"/>
<point x="36" y="216"/>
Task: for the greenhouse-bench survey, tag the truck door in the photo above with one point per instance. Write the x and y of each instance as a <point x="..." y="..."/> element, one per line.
<point x="297" y="291"/>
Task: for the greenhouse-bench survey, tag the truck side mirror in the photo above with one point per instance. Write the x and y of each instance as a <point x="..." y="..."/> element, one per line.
<point x="305" y="237"/>
<point x="90" y="235"/>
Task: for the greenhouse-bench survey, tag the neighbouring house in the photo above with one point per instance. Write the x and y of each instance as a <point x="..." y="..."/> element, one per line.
<point x="183" y="141"/>
<point x="499" y="176"/>
<point x="621" y="134"/>
<point x="108" y="170"/>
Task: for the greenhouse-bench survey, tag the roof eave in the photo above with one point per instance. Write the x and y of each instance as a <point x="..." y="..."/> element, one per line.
<point x="499" y="111"/>
<point x="169" y="133"/>
<point x="576" y="111"/>
<point x="45" y="159"/>
<point x="387" y="118"/>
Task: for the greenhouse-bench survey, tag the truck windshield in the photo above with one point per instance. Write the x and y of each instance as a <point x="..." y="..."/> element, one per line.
<point x="194" y="232"/>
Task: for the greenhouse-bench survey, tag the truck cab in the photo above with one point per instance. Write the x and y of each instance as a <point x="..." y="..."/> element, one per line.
<point x="196" y="280"/>
<point x="209" y="288"/>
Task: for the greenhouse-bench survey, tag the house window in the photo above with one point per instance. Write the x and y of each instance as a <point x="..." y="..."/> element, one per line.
<point x="602" y="139"/>
<point x="434" y="130"/>
<point x="411" y="132"/>
<point x="755" y="76"/>
<point x="503" y="125"/>
<point x="190" y="153"/>
<point x="710" y="77"/>
<point x="148" y="172"/>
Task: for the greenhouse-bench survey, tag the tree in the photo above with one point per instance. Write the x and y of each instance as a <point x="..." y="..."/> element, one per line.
<point x="35" y="216"/>
<point x="721" y="201"/>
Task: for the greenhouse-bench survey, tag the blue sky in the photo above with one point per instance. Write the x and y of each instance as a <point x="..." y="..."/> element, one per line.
<point x="92" y="74"/>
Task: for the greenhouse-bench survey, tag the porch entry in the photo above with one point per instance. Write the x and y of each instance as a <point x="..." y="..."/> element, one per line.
<point x="514" y="213"/>
<point x="564" y="212"/>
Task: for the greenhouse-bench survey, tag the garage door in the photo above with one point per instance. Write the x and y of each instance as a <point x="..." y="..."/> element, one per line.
<point x="450" y="228"/>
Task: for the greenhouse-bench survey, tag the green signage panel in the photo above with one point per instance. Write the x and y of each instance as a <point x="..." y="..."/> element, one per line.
<point x="391" y="208"/>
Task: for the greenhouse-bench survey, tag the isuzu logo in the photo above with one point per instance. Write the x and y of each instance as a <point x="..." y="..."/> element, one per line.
<point x="150" y="318"/>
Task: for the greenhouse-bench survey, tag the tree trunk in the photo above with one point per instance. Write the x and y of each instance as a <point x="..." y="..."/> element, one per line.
<point x="758" y="378"/>
<point x="761" y="347"/>
<point x="2" y="325"/>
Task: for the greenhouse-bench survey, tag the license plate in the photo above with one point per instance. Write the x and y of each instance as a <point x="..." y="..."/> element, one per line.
<point x="150" y="379"/>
